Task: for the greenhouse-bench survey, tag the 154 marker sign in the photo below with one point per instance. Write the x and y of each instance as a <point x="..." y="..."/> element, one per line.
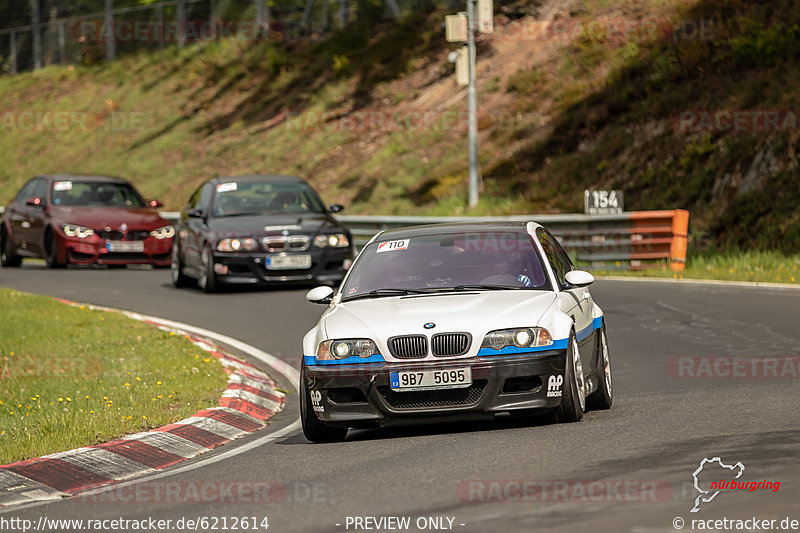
<point x="602" y="202"/>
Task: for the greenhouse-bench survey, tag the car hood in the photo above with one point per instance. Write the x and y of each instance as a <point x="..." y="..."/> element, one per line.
<point x="472" y="312"/>
<point x="102" y="217"/>
<point x="258" y="224"/>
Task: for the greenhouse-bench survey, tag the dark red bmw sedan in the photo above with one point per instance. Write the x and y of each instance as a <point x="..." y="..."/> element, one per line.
<point x="69" y="219"/>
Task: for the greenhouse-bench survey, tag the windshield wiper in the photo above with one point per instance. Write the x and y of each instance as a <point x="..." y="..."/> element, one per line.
<point x="477" y="287"/>
<point x="379" y="293"/>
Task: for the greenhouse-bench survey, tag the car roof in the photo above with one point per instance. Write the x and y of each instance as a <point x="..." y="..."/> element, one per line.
<point x="453" y="227"/>
<point x="272" y="178"/>
<point x="81" y="177"/>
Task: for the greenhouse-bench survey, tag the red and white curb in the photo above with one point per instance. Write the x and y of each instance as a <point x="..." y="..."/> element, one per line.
<point x="249" y="401"/>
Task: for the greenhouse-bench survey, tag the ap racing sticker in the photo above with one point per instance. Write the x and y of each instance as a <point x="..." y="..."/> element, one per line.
<point x="554" y="386"/>
<point x="393" y="246"/>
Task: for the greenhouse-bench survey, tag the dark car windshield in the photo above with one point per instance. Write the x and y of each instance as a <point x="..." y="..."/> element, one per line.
<point x="251" y="198"/>
<point x="74" y="193"/>
<point x="488" y="260"/>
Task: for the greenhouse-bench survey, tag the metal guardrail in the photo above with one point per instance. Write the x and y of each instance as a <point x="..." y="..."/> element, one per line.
<point x="637" y="239"/>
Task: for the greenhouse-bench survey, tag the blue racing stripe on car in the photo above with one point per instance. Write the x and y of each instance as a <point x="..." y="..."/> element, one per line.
<point x="560" y="344"/>
<point x="597" y="323"/>
<point x="310" y="360"/>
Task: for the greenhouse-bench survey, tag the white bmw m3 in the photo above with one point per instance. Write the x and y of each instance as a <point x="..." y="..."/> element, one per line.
<point x="447" y="321"/>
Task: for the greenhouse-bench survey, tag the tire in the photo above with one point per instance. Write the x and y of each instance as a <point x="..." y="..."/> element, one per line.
<point x="313" y="429"/>
<point x="208" y="279"/>
<point x="51" y="250"/>
<point x="573" y="399"/>
<point x="7" y="256"/>
<point x="604" y="395"/>
<point x="179" y="279"/>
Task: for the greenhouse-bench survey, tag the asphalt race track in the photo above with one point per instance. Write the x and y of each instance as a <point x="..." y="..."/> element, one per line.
<point x="662" y="424"/>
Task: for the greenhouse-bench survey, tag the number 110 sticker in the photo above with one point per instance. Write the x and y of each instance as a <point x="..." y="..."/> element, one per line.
<point x="392" y="246"/>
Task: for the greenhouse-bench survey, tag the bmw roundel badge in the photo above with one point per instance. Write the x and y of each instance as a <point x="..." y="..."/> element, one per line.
<point x="429" y="325"/>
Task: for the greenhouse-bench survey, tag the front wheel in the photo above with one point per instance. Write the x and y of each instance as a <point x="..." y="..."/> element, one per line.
<point x="179" y="279"/>
<point x="7" y="256"/>
<point x="603" y="396"/>
<point x="573" y="400"/>
<point x="208" y="278"/>
<point x="314" y="429"/>
<point x="51" y="250"/>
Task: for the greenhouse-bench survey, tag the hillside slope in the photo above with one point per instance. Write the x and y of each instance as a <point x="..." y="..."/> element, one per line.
<point x="573" y="94"/>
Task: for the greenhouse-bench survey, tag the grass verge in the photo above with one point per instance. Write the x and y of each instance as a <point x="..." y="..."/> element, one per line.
<point x="761" y="267"/>
<point x="70" y="376"/>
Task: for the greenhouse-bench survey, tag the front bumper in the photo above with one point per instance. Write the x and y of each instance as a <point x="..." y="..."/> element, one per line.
<point x="96" y="250"/>
<point x="327" y="266"/>
<point x="359" y="395"/>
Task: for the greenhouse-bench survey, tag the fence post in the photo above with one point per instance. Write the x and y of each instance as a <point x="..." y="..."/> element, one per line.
<point x="37" y="35"/>
<point x="307" y="15"/>
<point x="181" y="19"/>
<point x="344" y="12"/>
<point x="62" y="44"/>
<point x="161" y="29"/>
<point x="262" y="17"/>
<point x="111" y="42"/>
<point x="325" y="15"/>
<point x="13" y="53"/>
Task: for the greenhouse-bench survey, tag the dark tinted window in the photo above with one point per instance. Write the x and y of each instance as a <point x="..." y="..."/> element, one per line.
<point x="254" y="197"/>
<point x="505" y="259"/>
<point x="556" y="256"/>
<point x="76" y="193"/>
<point x="26" y="192"/>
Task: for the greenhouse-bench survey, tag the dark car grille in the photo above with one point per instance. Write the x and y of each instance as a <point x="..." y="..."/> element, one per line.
<point x="409" y="346"/>
<point x="292" y="243"/>
<point x="115" y="235"/>
<point x="434" y="398"/>
<point x="450" y="344"/>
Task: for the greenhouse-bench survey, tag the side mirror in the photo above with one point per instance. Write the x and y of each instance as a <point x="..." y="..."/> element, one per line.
<point x="35" y="202"/>
<point x="155" y="204"/>
<point x="320" y="295"/>
<point x="579" y="278"/>
<point x="336" y="208"/>
<point x="195" y="213"/>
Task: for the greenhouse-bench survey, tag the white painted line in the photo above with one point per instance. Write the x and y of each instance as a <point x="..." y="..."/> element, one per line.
<point x="169" y="442"/>
<point x="15" y="489"/>
<point x="216" y="427"/>
<point x="750" y="284"/>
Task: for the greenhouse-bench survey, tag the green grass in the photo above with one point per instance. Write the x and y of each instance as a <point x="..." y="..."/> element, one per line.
<point x="761" y="267"/>
<point x="70" y="376"/>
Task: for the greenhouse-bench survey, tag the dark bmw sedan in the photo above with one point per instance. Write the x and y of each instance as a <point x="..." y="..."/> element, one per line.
<point x="70" y="219"/>
<point x="256" y="230"/>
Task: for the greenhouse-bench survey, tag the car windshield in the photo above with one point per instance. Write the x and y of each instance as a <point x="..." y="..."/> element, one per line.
<point x="251" y="198"/>
<point x="491" y="260"/>
<point x="73" y="193"/>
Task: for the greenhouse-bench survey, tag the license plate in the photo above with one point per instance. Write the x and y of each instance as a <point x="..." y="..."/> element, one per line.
<point x="125" y="246"/>
<point x="288" y="262"/>
<point x="412" y="380"/>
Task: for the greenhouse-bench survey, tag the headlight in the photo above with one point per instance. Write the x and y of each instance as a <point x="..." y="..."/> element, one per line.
<point x="336" y="240"/>
<point x="237" y="245"/>
<point x="73" y="230"/>
<point x="342" y="349"/>
<point x="167" y="232"/>
<point x="517" y="337"/>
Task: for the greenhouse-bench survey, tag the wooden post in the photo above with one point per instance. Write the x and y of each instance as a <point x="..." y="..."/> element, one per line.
<point x="111" y="35"/>
<point x="181" y="19"/>
<point x="37" y="35"/>
<point x="13" y="53"/>
<point x="161" y="31"/>
<point x="62" y="44"/>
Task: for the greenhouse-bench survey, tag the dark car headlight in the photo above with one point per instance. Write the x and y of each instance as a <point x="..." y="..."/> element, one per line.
<point x="237" y="244"/>
<point x="167" y="232"/>
<point x="335" y="240"/>
<point x="73" y="230"/>
<point x="344" y="348"/>
<point x="517" y="337"/>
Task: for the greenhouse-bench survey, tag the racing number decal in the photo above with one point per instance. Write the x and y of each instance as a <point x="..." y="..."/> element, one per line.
<point x="554" y="386"/>
<point x="393" y="246"/>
